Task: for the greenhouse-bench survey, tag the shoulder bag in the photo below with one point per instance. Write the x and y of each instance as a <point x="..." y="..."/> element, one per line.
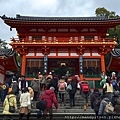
<point x="11" y="108"/>
<point x="69" y="87"/>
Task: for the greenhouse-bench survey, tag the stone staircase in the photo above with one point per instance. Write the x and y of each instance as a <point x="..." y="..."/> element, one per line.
<point x="63" y="110"/>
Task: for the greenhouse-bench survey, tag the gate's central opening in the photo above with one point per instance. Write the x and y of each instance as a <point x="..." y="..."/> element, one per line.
<point x="62" y="65"/>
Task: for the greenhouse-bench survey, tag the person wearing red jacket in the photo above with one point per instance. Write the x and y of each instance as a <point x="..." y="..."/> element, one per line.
<point x="50" y="98"/>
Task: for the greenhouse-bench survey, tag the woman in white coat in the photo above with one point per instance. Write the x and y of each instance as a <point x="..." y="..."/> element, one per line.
<point x="25" y="104"/>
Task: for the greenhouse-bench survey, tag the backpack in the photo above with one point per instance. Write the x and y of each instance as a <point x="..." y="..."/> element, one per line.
<point x="85" y="87"/>
<point x="41" y="105"/>
<point x="62" y="86"/>
<point x="109" y="109"/>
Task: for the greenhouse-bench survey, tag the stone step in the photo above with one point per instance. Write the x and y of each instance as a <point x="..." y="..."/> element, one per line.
<point x="58" y="116"/>
<point x="79" y="103"/>
<point x="60" y="107"/>
<point x="71" y="110"/>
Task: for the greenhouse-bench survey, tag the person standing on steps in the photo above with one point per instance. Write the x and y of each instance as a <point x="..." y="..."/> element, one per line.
<point x="108" y="89"/>
<point x="95" y="100"/>
<point x="50" y="98"/>
<point x="54" y="83"/>
<point x="22" y="84"/>
<point x="61" y="89"/>
<point x="43" y="82"/>
<point x="9" y="100"/>
<point x="72" y="92"/>
<point x="40" y="77"/>
<point x="103" y="79"/>
<point x="36" y="88"/>
<point x="25" y="104"/>
<point x="85" y="92"/>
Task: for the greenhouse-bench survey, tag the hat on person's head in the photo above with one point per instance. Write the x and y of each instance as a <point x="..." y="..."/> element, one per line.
<point x="52" y="88"/>
<point x="113" y="73"/>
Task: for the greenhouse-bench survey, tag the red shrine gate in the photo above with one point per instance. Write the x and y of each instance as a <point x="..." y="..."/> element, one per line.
<point x="77" y="44"/>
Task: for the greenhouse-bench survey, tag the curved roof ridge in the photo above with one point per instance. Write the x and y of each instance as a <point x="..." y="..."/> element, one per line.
<point x="7" y="52"/>
<point x="60" y="18"/>
<point x="115" y="52"/>
<point x="10" y="53"/>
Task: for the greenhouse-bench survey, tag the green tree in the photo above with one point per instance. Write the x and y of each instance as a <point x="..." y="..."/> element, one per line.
<point x="102" y="12"/>
<point x="105" y="13"/>
<point x="113" y="32"/>
<point x="18" y="58"/>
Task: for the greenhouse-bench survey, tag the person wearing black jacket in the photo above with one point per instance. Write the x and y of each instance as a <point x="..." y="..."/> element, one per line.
<point x="72" y="92"/>
<point x="94" y="100"/>
<point x="54" y="83"/>
<point x="114" y="98"/>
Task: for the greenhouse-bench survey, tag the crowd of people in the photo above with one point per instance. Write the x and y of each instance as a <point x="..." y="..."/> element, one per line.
<point x="110" y="95"/>
<point x="50" y="87"/>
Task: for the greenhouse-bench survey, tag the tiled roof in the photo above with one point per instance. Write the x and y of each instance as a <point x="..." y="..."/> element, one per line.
<point x="115" y="52"/>
<point x="7" y="52"/>
<point x="31" y="18"/>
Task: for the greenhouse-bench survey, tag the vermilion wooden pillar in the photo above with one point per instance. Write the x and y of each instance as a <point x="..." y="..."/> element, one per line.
<point x="23" y="65"/>
<point x="103" y="63"/>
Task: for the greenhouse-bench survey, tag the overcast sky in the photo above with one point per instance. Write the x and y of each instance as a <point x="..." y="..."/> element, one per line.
<point x="41" y="8"/>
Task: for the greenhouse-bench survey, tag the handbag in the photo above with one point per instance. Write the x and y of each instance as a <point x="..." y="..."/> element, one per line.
<point x="41" y="105"/>
<point x="109" y="108"/>
<point x="11" y="108"/>
<point x="69" y="87"/>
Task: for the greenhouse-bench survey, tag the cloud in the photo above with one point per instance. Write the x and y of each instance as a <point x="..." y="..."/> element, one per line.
<point x="51" y="8"/>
